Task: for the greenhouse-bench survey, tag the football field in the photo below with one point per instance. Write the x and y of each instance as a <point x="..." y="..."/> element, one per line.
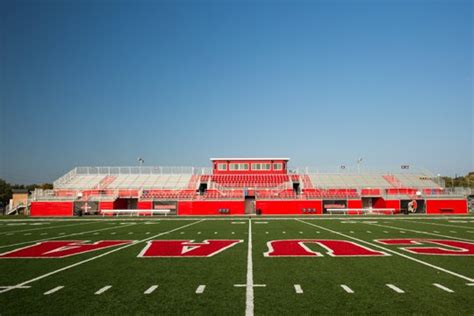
<point x="263" y="266"/>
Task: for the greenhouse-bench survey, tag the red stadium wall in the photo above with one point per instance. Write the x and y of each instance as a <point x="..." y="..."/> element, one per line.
<point x="51" y="208"/>
<point x="288" y="207"/>
<point x="381" y="203"/>
<point x="106" y="205"/>
<point x="446" y="206"/>
<point x="145" y="205"/>
<point x="210" y="207"/>
<point x="354" y="204"/>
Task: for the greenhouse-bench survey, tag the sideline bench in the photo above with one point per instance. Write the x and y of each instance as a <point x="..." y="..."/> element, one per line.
<point x="135" y="212"/>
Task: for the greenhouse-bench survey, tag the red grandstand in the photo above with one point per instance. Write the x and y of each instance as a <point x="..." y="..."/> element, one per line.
<point x="240" y="186"/>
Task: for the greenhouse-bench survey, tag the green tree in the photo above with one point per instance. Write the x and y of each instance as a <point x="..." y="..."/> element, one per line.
<point x="5" y="192"/>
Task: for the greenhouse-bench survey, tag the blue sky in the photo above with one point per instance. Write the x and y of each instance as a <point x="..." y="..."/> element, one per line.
<point x="177" y="82"/>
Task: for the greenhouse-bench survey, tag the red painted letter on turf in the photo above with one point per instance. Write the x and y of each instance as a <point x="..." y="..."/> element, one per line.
<point x="61" y="248"/>
<point x="456" y="248"/>
<point x="186" y="248"/>
<point x="334" y="248"/>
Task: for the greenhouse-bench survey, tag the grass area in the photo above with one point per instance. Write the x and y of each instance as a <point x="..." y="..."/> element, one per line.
<point x="322" y="282"/>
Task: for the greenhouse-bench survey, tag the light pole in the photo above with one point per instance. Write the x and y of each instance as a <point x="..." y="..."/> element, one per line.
<point x="140" y="161"/>
<point x="358" y="164"/>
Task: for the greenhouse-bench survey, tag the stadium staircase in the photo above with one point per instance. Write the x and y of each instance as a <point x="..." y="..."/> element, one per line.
<point x="393" y="180"/>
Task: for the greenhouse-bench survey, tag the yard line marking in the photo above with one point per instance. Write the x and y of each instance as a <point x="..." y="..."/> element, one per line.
<point x="16" y="287"/>
<point x="391" y="251"/>
<point x="199" y="233"/>
<point x="233" y="233"/>
<point x="245" y="285"/>
<point x="50" y="227"/>
<point x="96" y="233"/>
<point x="215" y="233"/>
<point x="470" y="231"/>
<point x="102" y="290"/>
<point x="422" y="232"/>
<point x="237" y="222"/>
<point x="249" y="298"/>
<point x="113" y="233"/>
<point x="261" y="222"/>
<point x="73" y="234"/>
<point x="182" y="233"/>
<point x="200" y="289"/>
<point x="351" y="232"/>
<point x="443" y="288"/>
<point x="151" y="289"/>
<point x="266" y="232"/>
<point x="347" y="289"/>
<point x="298" y="289"/>
<point x="147" y="233"/>
<point x="57" y="288"/>
<point x="470" y="284"/>
<point x="130" y="233"/>
<point x="369" y="232"/>
<point x="395" y="288"/>
<point x="300" y="232"/>
<point x="101" y="255"/>
<point x="386" y="232"/>
<point x="284" y="232"/>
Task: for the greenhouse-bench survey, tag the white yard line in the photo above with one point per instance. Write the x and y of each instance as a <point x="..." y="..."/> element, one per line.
<point x="102" y="290"/>
<point x="249" y="298"/>
<point x="395" y="288"/>
<point x="347" y="289"/>
<point x="62" y="236"/>
<point x="200" y="289"/>
<point x="392" y="251"/>
<point x="298" y="289"/>
<point x="57" y="288"/>
<point x="43" y="228"/>
<point x="421" y="232"/>
<point x="151" y="289"/>
<point x="98" y="256"/>
<point x="439" y="286"/>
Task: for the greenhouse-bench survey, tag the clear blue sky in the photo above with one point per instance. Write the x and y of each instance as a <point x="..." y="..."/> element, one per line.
<point x="177" y="82"/>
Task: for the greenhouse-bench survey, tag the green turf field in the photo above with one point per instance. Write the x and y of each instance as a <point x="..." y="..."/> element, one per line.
<point x="238" y="280"/>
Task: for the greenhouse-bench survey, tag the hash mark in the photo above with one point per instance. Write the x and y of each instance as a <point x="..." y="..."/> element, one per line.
<point x="102" y="290"/>
<point x="439" y="286"/>
<point x="347" y="289"/>
<point x="298" y="289"/>
<point x="151" y="289"/>
<point x="396" y="289"/>
<point x="57" y="288"/>
<point x="200" y="289"/>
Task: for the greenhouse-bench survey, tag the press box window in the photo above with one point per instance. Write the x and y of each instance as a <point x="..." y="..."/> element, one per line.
<point x="222" y="166"/>
<point x="278" y="166"/>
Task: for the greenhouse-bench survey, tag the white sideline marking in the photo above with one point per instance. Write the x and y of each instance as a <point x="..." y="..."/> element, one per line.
<point x="57" y="288"/>
<point x="470" y="231"/>
<point x="50" y="227"/>
<point x="237" y="222"/>
<point x="347" y="289"/>
<point x="443" y="288"/>
<point x="102" y="290"/>
<point x="151" y="289"/>
<point x="200" y="289"/>
<point x="73" y="234"/>
<point x="249" y="299"/>
<point x="15" y="287"/>
<point x="391" y="251"/>
<point x="435" y="231"/>
<point x="395" y="288"/>
<point x="100" y="256"/>
<point x="422" y="232"/>
<point x="470" y="284"/>
<point x="298" y="289"/>
<point x="261" y="222"/>
<point x="438" y="224"/>
<point x="245" y="285"/>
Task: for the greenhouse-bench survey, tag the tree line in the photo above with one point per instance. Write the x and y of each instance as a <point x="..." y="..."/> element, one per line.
<point x="6" y="189"/>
